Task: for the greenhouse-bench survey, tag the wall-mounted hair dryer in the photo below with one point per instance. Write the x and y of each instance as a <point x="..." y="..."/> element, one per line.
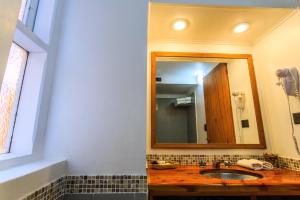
<point x="240" y="101"/>
<point x="289" y="80"/>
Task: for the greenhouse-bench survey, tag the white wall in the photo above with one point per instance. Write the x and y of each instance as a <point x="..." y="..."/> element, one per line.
<point x="8" y="19"/>
<point x="280" y="49"/>
<point x="200" y="114"/>
<point x="192" y="47"/>
<point x="239" y="80"/>
<point x="181" y="72"/>
<point x="176" y="72"/>
<point x="97" y="115"/>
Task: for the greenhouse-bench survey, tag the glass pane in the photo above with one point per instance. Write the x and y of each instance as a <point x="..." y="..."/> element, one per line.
<point x="22" y="10"/>
<point x="9" y="94"/>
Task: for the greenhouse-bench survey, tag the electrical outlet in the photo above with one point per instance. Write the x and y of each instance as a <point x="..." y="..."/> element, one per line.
<point x="296" y="117"/>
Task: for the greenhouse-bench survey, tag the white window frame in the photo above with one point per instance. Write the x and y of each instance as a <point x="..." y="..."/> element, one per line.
<point x="26" y="121"/>
<point x="15" y="103"/>
<point x="27" y="115"/>
<point x="30" y="13"/>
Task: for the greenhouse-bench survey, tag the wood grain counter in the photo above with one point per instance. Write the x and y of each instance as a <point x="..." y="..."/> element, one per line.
<point x="187" y="180"/>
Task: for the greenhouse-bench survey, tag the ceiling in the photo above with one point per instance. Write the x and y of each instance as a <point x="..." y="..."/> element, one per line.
<point x="194" y="59"/>
<point x="213" y="24"/>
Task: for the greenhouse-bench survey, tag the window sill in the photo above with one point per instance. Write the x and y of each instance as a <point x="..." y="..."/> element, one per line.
<point x="23" y="170"/>
<point x="10" y="156"/>
<point x="28" y="40"/>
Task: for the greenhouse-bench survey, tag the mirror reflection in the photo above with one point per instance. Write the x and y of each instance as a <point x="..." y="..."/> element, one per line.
<point x="204" y="101"/>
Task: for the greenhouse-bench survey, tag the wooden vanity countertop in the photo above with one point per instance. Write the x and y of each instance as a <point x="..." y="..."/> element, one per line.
<point x="190" y="176"/>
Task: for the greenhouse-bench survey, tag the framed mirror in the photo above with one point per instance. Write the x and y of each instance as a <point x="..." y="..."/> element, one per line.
<point x="205" y="101"/>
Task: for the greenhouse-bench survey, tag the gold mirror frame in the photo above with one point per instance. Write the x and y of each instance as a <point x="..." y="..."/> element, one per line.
<point x="261" y="135"/>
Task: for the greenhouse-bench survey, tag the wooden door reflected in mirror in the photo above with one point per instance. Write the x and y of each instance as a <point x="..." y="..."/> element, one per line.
<point x="219" y="118"/>
<point x="204" y="100"/>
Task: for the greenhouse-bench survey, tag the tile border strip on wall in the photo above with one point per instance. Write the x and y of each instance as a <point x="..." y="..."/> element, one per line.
<point x="52" y="191"/>
<point x="90" y="185"/>
<point x="106" y="184"/>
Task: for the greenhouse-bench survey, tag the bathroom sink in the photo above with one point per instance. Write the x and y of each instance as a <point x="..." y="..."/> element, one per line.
<point x="228" y="174"/>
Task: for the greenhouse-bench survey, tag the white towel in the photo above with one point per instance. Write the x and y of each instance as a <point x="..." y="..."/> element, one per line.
<point x="266" y="165"/>
<point x="184" y="99"/>
<point x="255" y="164"/>
<point x="183" y="102"/>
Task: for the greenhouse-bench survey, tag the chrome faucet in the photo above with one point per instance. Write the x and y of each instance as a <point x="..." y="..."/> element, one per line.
<point x="217" y="164"/>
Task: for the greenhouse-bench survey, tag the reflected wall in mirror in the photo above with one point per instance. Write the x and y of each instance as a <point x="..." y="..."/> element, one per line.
<point x="202" y="100"/>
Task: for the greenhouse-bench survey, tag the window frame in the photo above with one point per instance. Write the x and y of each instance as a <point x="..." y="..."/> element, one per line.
<point x="30" y="13"/>
<point x="14" y="111"/>
<point x="26" y="123"/>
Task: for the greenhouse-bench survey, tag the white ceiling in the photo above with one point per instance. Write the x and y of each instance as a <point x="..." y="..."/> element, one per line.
<point x="256" y="3"/>
<point x="213" y="24"/>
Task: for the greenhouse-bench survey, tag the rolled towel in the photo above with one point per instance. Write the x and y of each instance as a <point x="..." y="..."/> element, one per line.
<point x="266" y="165"/>
<point x="183" y="102"/>
<point x="184" y="99"/>
<point x="255" y="164"/>
<point x="250" y="164"/>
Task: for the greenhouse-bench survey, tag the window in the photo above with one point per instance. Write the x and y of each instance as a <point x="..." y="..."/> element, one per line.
<point x="22" y="10"/>
<point x="13" y="81"/>
<point x="28" y="12"/>
<point x="22" y="95"/>
<point x="9" y="94"/>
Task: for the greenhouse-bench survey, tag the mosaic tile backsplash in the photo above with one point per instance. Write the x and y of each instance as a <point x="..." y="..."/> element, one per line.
<point x="286" y="163"/>
<point x="194" y="159"/>
<point x="289" y="163"/>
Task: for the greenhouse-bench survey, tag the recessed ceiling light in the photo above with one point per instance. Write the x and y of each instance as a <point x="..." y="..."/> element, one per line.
<point x="240" y="28"/>
<point x="180" y="24"/>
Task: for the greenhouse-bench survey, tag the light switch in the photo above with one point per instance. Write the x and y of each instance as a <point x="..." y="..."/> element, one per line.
<point x="245" y="123"/>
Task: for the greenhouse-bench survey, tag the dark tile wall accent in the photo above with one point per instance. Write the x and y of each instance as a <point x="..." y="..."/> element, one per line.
<point x="125" y="196"/>
<point x="78" y="197"/>
<point x="52" y="191"/>
<point x="140" y="196"/>
<point x="106" y="196"/>
<point x="194" y="159"/>
<point x="289" y="163"/>
<point x="106" y="184"/>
